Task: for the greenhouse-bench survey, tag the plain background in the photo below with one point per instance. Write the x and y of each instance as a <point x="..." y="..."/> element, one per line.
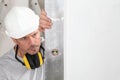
<point x="92" y="40"/>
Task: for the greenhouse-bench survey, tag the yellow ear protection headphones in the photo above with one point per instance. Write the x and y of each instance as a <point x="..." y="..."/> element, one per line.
<point x="32" y="61"/>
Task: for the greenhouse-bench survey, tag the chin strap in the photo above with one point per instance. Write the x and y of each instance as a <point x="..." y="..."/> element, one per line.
<point x="17" y="57"/>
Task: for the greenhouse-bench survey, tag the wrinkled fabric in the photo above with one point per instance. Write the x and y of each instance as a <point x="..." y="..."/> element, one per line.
<point x="11" y="69"/>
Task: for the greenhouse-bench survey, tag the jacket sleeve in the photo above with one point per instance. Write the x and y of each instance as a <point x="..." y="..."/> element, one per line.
<point x="3" y="75"/>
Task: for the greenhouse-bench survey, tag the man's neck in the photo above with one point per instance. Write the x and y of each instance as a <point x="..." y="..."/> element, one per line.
<point x="19" y="52"/>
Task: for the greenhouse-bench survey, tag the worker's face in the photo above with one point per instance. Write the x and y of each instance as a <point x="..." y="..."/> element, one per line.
<point x="30" y="43"/>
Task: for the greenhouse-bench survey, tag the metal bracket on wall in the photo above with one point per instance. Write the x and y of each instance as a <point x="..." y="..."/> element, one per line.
<point x="41" y="3"/>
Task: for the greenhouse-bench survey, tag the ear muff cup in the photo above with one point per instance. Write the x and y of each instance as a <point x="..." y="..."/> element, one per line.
<point x="33" y="61"/>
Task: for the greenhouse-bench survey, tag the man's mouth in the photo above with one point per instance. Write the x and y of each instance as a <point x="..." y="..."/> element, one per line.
<point x="34" y="50"/>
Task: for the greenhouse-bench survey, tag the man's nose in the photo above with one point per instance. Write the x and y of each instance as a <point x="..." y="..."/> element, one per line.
<point x="31" y="40"/>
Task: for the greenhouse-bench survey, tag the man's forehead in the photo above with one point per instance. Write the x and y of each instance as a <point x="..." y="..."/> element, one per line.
<point x="36" y="31"/>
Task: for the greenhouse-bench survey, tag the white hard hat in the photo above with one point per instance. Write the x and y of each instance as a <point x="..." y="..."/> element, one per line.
<point x="20" y="21"/>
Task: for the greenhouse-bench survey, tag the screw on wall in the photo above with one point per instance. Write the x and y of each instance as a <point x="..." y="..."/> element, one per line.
<point x="5" y="4"/>
<point x="55" y="52"/>
<point x="35" y="3"/>
<point x="0" y="25"/>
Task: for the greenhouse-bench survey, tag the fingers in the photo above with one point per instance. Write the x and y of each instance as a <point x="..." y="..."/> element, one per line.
<point x="43" y="12"/>
<point x="45" y="22"/>
<point x="45" y="19"/>
<point x="43" y="16"/>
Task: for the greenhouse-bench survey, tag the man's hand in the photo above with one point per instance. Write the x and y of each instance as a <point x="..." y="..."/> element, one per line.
<point x="45" y="22"/>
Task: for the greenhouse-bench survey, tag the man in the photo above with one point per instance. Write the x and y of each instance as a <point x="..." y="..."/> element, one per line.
<point x="25" y="60"/>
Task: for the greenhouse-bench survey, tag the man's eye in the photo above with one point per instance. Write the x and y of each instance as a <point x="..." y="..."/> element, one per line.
<point x="24" y="38"/>
<point x="34" y="35"/>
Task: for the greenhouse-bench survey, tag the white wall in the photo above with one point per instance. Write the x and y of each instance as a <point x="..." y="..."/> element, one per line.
<point x="92" y="40"/>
